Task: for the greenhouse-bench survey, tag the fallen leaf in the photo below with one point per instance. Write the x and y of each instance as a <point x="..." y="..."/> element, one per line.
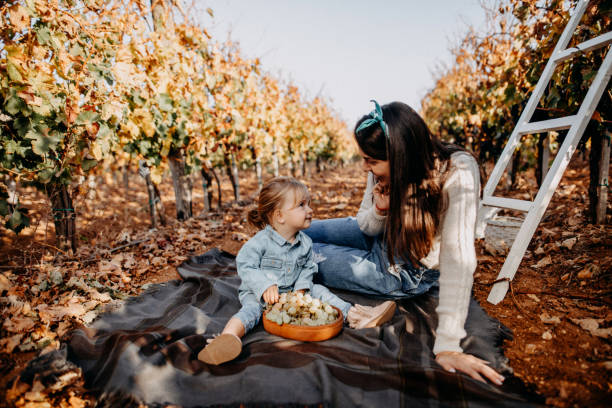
<point x="106" y="267"/>
<point x="158" y="261"/>
<point x="89" y="317"/>
<point x="19" y="17"/>
<point x="533" y="297"/>
<point x="8" y="344"/>
<point x="18" y="324"/>
<point x="5" y="284"/>
<point x="338" y="207"/>
<point x="592" y="326"/>
<point x="543" y="262"/>
<point x="589" y="271"/>
<point x="100" y="297"/>
<point x="548" y="319"/>
<point x="491" y="249"/>
<point x="547" y="335"/>
<point x="569" y="243"/>
<point x="239" y="236"/>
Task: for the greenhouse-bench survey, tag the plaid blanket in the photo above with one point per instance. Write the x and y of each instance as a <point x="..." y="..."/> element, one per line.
<point x="145" y="353"/>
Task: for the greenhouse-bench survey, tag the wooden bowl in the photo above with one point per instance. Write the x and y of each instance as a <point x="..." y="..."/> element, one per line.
<point x="305" y="333"/>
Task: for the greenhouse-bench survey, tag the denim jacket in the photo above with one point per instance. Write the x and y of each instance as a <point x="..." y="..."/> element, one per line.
<point x="269" y="259"/>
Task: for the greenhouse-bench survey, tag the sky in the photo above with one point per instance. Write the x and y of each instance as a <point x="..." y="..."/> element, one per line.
<point x="348" y="51"/>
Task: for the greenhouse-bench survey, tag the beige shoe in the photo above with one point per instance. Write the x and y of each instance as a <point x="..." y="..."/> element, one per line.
<point x="362" y="317"/>
<point x="221" y="349"/>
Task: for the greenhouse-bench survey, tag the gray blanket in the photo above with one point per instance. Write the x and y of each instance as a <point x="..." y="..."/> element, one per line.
<point x="146" y="352"/>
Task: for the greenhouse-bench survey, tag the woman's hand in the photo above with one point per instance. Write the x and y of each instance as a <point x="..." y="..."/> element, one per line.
<point x="270" y="295"/>
<point x="469" y="364"/>
<point x="381" y="198"/>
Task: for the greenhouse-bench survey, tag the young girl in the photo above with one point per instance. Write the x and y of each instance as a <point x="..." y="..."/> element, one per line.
<point x="279" y="259"/>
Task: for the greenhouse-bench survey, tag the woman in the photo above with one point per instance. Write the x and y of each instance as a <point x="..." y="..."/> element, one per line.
<point x="414" y="229"/>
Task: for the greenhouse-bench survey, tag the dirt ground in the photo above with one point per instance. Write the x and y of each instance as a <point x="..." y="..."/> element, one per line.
<point x="559" y="306"/>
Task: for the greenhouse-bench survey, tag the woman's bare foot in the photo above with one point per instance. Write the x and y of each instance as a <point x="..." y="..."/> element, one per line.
<point x="361" y="317"/>
<point x="225" y="347"/>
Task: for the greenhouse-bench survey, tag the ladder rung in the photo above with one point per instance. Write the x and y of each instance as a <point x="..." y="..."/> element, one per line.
<point x="510" y="203"/>
<point x="547" y="125"/>
<point x="586" y="46"/>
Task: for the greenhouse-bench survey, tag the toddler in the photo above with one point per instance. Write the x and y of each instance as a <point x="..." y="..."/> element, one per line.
<point x="279" y="259"/>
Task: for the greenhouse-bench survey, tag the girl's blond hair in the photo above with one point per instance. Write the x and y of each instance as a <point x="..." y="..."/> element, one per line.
<point x="272" y="196"/>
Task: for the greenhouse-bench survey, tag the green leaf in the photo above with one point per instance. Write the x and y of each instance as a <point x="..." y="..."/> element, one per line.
<point x="14" y="147"/>
<point x="14" y="105"/>
<point x="509" y="93"/>
<point x="45" y="175"/>
<point x="89" y="164"/>
<point x="86" y="117"/>
<point x="41" y="143"/>
<point x="17" y="221"/>
<point x="13" y="72"/>
<point x="165" y="103"/>
<point x="77" y="51"/>
<point x="4" y="208"/>
<point x="43" y="35"/>
<point x="44" y="109"/>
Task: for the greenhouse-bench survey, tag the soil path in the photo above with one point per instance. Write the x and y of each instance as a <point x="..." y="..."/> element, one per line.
<point x="560" y="309"/>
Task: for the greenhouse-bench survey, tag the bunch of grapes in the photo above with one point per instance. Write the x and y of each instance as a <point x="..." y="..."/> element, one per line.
<point x="300" y="309"/>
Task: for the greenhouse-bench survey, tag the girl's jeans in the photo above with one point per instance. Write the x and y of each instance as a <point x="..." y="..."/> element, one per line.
<point x="350" y="260"/>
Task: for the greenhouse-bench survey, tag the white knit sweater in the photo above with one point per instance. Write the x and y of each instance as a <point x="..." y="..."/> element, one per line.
<point x="453" y="252"/>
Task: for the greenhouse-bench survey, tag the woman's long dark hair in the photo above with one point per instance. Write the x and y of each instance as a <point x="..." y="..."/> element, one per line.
<point x="417" y="162"/>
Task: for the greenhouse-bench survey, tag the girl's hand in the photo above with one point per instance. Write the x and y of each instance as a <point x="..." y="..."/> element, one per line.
<point x="381" y="198"/>
<point x="270" y="295"/>
<point x="469" y="364"/>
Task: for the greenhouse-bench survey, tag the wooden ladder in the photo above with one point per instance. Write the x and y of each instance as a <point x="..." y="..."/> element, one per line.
<point x="576" y="124"/>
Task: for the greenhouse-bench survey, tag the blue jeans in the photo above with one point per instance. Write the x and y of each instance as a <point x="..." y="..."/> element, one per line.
<point x="350" y="260"/>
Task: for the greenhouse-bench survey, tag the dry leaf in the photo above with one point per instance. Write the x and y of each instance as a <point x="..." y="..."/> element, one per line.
<point x="547" y="319"/>
<point x="533" y="297"/>
<point x="592" y="326"/>
<point x="18" y="324"/>
<point x="129" y="261"/>
<point x="569" y="243"/>
<point x="491" y="249"/>
<point x="158" y="261"/>
<point x="589" y="271"/>
<point x="5" y="284"/>
<point x="239" y="236"/>
<point x="106" y="267"/>
<point x="63" y="327"/>
<point x="573" y="221"/>
<point x="89" y="317"/>
<point x="547" y="335"/>
<point x="19" y="17"/>
<point x="100" y="297"/>
<point x="543" y="262"/>
<point x="76" y="402"/>
<point x="8" y="344"/>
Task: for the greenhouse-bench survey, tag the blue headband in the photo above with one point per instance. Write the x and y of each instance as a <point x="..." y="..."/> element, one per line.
<point x="376" y="116"/>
